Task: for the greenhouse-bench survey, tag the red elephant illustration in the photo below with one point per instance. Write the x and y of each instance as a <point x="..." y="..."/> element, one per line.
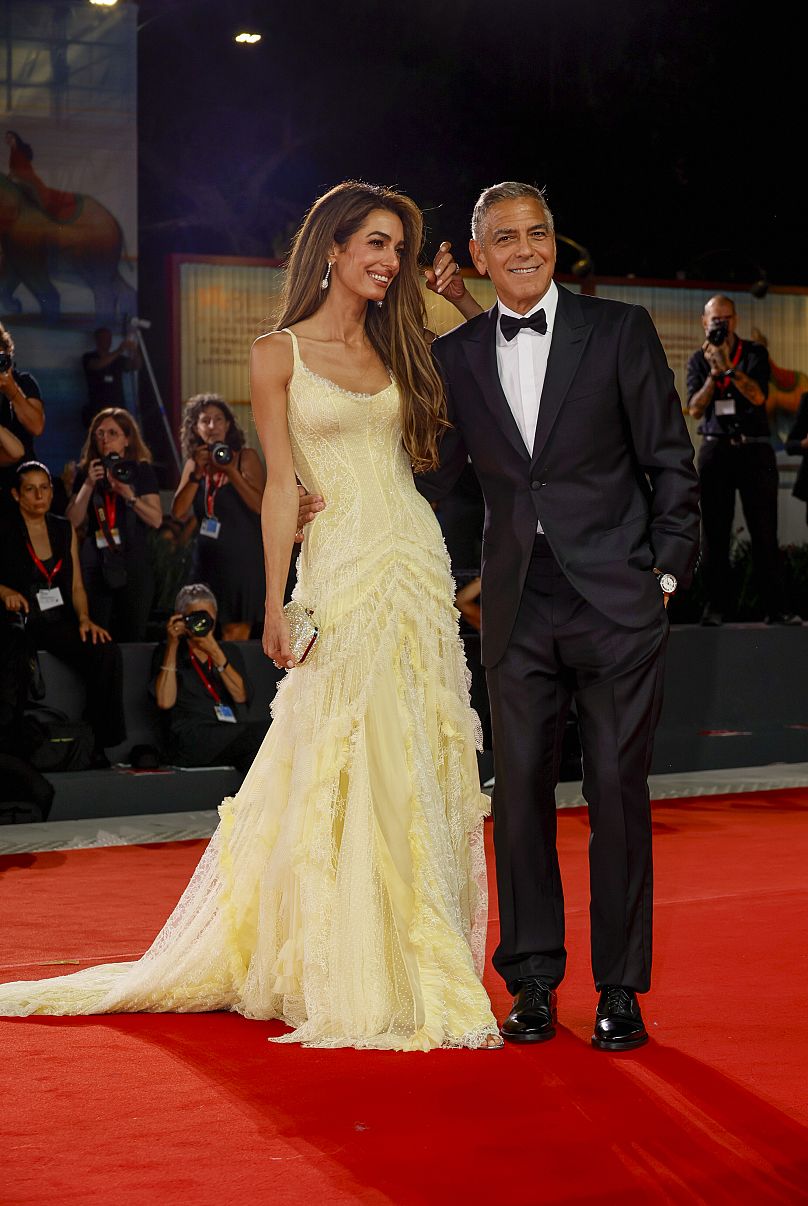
<point x="47" y="234"/>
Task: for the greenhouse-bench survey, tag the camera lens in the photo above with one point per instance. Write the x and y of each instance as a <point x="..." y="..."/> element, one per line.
<point x="5" y="362"/>
<point x="199" y="623"/>
<point x="222" y="454"/>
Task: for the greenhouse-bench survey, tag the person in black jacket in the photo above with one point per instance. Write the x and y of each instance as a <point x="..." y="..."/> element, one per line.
<point x="202" y="689"/>
<point x="797" y="445"/>
<point x="21" y="414"/>
<point x="115" y="492"/>
<point x="40" y="580"/>
<point x="727" y="387"/>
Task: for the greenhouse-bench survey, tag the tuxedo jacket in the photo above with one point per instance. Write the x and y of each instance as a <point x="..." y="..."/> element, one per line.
<point x="610" y="476"/>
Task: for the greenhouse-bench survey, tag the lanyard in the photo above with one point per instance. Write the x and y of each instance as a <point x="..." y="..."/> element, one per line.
<point x="47" y="575"/>
<point x="208" y="685"/>
<point x="723" y="382"/>
<point x="212" y="486"/>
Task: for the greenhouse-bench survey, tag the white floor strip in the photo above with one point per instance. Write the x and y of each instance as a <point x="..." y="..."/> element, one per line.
<point x="183" y="826"/>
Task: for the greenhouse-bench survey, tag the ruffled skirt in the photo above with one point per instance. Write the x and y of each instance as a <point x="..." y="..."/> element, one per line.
<point x="344" y="890"/>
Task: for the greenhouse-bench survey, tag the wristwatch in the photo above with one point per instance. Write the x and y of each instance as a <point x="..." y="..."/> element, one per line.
<point x="667" y="583"/>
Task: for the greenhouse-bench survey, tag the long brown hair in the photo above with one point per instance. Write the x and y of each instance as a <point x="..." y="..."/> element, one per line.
<point x="138" y="448"/>
<point x="396" y="329"/>
<point x="190" y="437"/>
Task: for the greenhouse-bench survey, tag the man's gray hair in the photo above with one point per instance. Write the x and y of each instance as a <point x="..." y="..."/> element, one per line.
<point x="508" y="190"/>
<point x="195" y="592"/>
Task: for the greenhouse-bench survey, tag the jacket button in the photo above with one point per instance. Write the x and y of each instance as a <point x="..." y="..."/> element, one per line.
<point x="537" y="485"/>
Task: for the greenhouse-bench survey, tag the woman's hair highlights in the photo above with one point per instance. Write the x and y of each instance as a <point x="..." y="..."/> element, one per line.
<point x="396" y="329"/>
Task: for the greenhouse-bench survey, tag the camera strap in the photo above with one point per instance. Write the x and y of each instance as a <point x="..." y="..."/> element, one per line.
<point x="106" y="512"/>
<point x="723" y="382"/>
<point x="213" y="484"/>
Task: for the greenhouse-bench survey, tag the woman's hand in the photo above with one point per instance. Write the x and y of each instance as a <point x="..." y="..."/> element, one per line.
<point x="122" y="489"/>
<point x="175" y="628"/>
<point x="7" y="381"/>
<point x="207" y="646"/>
<point x="201" y="459"/>
<point x="15" y="602"/>
<point x="444" y="275"/>
<point x="97" y="634"/>
<point x="95" y="472"/>
<point x="276" y="640"/>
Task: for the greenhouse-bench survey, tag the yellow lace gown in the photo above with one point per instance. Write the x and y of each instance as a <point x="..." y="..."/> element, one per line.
<point x="344" y="890"/>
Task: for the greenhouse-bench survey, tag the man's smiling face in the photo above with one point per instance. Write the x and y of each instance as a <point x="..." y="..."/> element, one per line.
<point x="517" y="250"/>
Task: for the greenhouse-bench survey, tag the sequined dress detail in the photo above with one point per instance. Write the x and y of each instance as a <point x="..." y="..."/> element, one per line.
<point x="344" y="890"/>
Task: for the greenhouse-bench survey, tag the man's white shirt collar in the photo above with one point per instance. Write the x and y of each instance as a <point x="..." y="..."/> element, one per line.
<point x="548" y="303"/>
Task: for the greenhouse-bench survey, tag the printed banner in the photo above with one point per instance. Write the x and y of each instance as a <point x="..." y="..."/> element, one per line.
<point x="68" y="195"/>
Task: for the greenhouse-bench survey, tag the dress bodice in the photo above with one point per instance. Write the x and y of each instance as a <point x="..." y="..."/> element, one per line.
<point x="348" y="447"/>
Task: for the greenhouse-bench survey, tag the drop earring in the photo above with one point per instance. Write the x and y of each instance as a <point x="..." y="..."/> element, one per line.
<point x="380" y="304"/>
<point x="324" y="281"/>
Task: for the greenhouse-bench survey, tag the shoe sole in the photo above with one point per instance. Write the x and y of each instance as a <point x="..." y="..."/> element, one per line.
<point x="540" y="1037"/>
<point x="602" y="1045"/>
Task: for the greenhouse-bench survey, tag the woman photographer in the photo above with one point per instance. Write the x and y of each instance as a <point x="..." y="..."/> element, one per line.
<point x="115" y="491"/>
<point x="223" y="482"/>
<point x="201" y="685"/>
<point x="22" y="417"/>
<point x="41" y="581"/>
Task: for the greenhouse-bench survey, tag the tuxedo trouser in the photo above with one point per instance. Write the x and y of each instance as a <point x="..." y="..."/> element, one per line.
<point x="562" y="649"/>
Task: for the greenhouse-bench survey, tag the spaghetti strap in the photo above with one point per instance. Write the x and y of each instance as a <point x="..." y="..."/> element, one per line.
<point x="295" y="345"/>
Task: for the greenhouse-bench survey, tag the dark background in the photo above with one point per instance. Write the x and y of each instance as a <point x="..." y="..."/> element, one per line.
<point x="670" y="136"/>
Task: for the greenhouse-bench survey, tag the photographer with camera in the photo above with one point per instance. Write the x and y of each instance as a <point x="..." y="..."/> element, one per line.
<point x="727" y="387"/>
<point x="202" y="686"/>
<point x="223" y="483"/>
<point x="22" y="417"/>
<point x="115" y="492"/>
<point x="42" y="587"/>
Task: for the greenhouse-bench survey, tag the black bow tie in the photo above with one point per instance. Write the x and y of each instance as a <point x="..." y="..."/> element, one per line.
<point x="510" y="327"/>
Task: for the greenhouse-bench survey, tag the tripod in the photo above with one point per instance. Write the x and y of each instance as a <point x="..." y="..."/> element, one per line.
<point x="137" y="326"/>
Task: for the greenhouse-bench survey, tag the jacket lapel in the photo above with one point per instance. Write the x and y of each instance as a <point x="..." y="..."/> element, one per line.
<point x="570" y="336"/>
<point x="480" y="349"/>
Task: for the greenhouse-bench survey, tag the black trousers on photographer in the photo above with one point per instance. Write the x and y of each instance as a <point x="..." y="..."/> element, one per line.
<point x="749" y="470"/>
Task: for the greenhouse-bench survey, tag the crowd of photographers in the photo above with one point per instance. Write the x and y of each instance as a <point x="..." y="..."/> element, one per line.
<point x="77" y="573"/>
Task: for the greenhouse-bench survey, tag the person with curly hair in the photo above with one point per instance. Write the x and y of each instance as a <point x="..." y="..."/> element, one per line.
<point x="222" y="482"/>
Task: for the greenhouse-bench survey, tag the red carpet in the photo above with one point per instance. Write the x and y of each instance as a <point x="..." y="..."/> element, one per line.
<point x="200" y="1110"/>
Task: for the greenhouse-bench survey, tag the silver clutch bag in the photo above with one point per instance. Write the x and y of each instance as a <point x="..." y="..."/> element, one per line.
<point x="303" y="632"/>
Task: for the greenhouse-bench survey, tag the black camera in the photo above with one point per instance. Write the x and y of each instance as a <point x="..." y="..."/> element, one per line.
<point x="199" y="623"/>
<point x="5" y="362"/>
<point x="718" y="331"/>
<point x="123" y="470"/>
<point x="222" y="454"/>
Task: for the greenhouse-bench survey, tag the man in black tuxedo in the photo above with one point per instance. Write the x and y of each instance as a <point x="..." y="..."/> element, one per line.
<point x="567" y="409"/>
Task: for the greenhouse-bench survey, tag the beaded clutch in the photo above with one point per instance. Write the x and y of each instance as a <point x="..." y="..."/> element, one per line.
<point x="303" y="632"/>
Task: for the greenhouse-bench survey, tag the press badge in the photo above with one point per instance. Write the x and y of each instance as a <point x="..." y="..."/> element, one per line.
<point x="725" y="406"/>
<point x="49" y="597"/>
<point x="101" y="541"/>
<point x="210" y="527"/>
<point x="223" y="712"/>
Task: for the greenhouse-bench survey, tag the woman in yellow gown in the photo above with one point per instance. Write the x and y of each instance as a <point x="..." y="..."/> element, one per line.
<point x="344" y="890"/>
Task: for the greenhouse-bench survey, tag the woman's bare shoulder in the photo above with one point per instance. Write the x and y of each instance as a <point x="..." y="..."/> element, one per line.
<point x="272" y="355"/>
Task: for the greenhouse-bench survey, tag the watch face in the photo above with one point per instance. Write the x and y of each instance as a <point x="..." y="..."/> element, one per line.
<point x="668" y="583"/>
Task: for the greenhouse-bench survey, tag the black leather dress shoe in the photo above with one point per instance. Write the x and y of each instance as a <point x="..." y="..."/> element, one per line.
<point x="618" y="1021"/>
<point x="787" y="618"/>
<point x="532" y="1018"/>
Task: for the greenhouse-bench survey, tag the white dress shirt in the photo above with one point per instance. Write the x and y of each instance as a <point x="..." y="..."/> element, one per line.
<point x="522" y="366"/>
